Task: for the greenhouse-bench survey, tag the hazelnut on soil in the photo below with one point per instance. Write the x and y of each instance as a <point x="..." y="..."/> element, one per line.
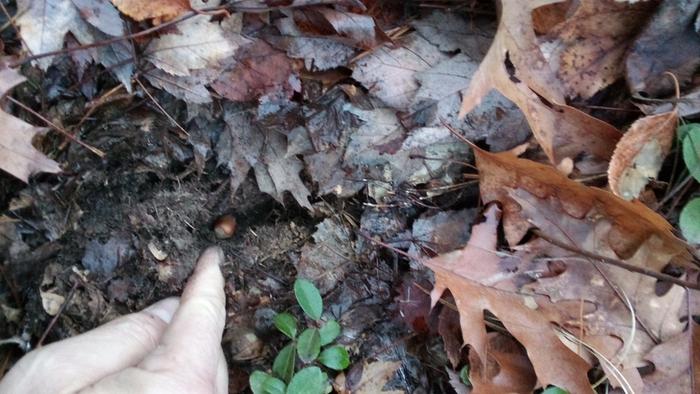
<point x="225" y="226"/>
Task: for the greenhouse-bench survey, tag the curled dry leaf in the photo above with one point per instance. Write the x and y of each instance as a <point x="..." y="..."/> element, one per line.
<point x="464" y="273"/>
<point x="640" y="154"/>
<point x="516" y="67"/>
<point x="669" y="43"/>
<point x="355" y="30"/>
<point x="631" y="223"/>
<point x="157" y="10"/>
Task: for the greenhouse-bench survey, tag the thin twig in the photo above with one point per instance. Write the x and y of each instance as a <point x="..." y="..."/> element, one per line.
<point x="138" y="81"/>
<point x="95" y="44"/>
<point x="58" y="314"/>
<point x="58" y="128"/>
<point x="618" y="263"/>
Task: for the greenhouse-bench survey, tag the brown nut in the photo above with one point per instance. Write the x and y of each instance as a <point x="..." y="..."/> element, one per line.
<point x="225" y="226"/>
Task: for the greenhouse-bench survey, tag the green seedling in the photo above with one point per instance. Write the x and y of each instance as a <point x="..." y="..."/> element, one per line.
<point x="689" y="222"/>
<point x="308" y="350"/>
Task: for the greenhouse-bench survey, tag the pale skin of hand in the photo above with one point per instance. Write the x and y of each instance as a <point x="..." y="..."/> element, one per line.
<point x="173" y="346"/>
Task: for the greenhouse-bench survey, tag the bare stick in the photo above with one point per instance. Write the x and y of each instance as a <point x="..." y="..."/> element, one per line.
<point x="619" y="263"/>
<point x="59" y="128"/>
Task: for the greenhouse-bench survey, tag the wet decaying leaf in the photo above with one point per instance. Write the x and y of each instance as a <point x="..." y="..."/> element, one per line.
<point x="640" y="153"/>
<point x="259" y="70"/>
<point x="328" y="258"/>
<point x="102" y="15"/>
<point x="669" y="43"/>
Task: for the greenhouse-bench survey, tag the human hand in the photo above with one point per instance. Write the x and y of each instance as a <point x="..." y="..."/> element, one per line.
<point x="173" y="346"/>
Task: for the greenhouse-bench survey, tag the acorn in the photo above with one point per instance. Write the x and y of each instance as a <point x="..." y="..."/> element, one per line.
<point x="225" y="226"/>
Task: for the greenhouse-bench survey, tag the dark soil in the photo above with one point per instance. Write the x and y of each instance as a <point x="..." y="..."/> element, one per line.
<point x="112" y="235"/>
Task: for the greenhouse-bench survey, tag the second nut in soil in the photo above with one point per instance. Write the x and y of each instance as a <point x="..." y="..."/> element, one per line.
<point x="225" y="226"/>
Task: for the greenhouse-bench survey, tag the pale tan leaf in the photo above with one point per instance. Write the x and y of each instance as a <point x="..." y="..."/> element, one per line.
<point x="375" y="376"/>
<point x="17" y="155"/>
<point x="158" y="10"/>
<point x="200" y="43"/>
<point x="43" y="25"/>
<point x="389" y="73"/>
<point x="640" y="154"/>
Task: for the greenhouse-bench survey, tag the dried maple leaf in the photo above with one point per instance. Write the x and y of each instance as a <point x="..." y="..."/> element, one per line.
<point x="200" y="43"/>
<point x="259" y="70"/>
<point x="464" y="273"/>
<point x="389" y="73"/>
<point x="102" y="15"/>
<point x="516" y="67"/>
<point x="17" y="155"/>
<point x="43" y="25"/>
<point x="319" y="53"/>
<point x="157" y="10"/>
<point x="590" y="45"/>
<point x="640" y="154"/>
<point x="631" y="224"/>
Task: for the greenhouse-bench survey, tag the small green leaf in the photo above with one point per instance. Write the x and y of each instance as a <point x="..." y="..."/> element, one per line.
<point x="464" y="375"/>
<point x="691" y="151"/>
<point x="263" y="383"/>
<point x="335" y="357"/>
<point x="329" y="332"/>
<point x="287" y="324"/>
<point x="554" y="390"/>
<point x="310" y="380"/>
<point x="683" y="130"/>
<point x="689" y="221"/>
<point x="308" y="298"/>
<point x="283" y="366"/>
<point x="309" y="345"/>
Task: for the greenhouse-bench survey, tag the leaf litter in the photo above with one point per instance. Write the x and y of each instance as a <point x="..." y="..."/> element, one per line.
<point x="334" y="132"/>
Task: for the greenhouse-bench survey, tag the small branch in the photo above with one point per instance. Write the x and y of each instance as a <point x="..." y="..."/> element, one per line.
<point x="138" y="81"/>
<point x="619" y="263"/>
<point x="142" y="33"/>
<point x="58" y="128"/>
<point x="58" y="314"/>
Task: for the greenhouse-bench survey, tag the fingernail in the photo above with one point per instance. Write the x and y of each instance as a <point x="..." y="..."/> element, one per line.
<point x="164" y="309"/>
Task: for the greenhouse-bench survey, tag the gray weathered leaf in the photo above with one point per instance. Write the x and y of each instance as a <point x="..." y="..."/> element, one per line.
<point x="389" y="73"/>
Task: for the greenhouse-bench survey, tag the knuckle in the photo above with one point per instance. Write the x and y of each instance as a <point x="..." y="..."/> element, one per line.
<point x="142" y="328"/>
<point x="210" y="308"/>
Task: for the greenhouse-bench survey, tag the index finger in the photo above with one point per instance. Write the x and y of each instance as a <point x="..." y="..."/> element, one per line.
<point x="192" y="341"/>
